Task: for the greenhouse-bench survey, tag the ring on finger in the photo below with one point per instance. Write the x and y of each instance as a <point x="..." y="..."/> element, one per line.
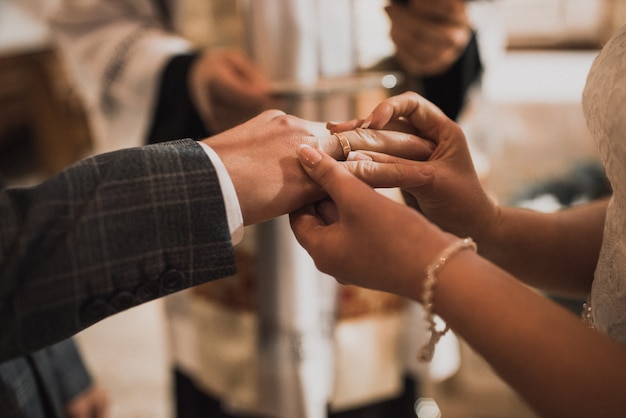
<point x="345" y="144"/>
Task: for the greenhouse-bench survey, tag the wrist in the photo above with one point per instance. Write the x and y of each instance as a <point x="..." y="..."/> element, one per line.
<point x="429" y="288"/>
<point x="425" y="247"/>
<point x="489" y="221"/>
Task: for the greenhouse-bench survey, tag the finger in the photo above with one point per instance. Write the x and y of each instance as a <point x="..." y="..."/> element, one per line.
<point x="330" y="144"/>
<point x="335" y="127"/>
<point x="388" y="175"/>
<point x="304" y="224"/>
<point x="338" y="183"/>
<point x="327" y="211"/>
<point x="349" y="195"/>
<point x="397" y="143"/>
<point x="308" y="215"/>
<point x="428" y="119"/>
<point x="397" y="125"/>
<point x="379" y="157"/>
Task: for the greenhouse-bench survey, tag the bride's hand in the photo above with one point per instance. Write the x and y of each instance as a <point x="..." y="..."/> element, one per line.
<point x="361" y="237"/>
<point x="454" y="199"/>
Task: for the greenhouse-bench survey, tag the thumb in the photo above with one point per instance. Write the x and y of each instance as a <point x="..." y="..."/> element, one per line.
<point x="338" y="183"/>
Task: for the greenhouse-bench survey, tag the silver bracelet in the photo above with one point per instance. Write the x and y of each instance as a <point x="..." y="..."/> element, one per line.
<point x="428" y="350"/>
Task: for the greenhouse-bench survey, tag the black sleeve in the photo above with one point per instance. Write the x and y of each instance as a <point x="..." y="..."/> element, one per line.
<point x="175" y="115"/>
<point x="449" y="90"/>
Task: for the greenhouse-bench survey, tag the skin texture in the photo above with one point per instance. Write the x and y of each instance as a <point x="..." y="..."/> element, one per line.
<point x="559" y="365"/>
<point x="573" y="234"/>
<point x="268" y="144"/>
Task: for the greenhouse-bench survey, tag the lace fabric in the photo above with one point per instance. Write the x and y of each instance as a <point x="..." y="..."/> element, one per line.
<point x="604" y="104"/>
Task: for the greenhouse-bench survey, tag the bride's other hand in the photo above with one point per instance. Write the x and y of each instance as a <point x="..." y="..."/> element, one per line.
<point x="357" y="234"/>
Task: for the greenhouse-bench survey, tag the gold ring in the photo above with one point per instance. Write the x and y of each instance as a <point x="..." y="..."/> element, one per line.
<point x="345" y="144"/>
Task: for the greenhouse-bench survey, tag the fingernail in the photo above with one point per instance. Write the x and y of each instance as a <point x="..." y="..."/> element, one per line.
<point x="358" y="156"/>
<point x="308" y="155"/>
<point x="367" y="122"/>
<point x="330" y="125"/>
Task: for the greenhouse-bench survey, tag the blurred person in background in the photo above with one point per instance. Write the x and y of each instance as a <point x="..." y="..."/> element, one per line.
<point x="436" y="47"/>
<point x="51" y="383"/>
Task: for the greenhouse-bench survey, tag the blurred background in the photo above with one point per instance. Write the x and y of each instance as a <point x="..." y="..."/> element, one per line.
<point x="524" y="123"/>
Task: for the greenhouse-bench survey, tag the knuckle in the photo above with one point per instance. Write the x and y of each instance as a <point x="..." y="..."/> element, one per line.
<point x="289" y="120"/>
<point x="364" y="170"/>
<point x="273" y="113"/>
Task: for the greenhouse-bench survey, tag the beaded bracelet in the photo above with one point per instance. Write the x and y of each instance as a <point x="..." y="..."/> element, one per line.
<point x="428" y="350"/>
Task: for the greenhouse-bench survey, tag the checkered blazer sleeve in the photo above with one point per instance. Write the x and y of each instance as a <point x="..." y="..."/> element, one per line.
<point x="109" y="233"/>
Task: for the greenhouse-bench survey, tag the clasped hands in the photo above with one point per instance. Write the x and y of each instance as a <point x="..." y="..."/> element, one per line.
<point x="406" y="138"/>
<point x="282" y="164"/>
<point x="361" y="237"/>
<point x="416" y="147"/>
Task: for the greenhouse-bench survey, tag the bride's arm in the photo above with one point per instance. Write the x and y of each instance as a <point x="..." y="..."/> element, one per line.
<point x="556" y="251"/>
<point x="561" y="367"/>
<point x="552" y="251"/>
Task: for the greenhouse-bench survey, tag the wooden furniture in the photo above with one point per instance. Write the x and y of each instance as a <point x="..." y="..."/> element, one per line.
<point x="37" y="104"/>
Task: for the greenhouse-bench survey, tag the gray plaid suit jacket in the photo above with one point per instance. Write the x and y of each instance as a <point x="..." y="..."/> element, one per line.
<point x="109" y="233"/>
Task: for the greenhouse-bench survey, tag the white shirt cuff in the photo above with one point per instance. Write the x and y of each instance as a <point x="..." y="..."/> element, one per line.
<point x="231" y="202"/>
